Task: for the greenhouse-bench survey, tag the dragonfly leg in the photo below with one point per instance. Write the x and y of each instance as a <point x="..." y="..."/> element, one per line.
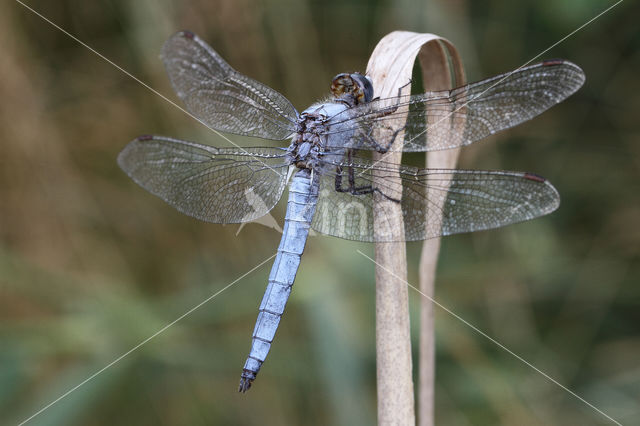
<point x="399" y="90"/>
<point x="386" y="147"/>
<point x="352" y="188"/>
<point x="383" y="113"/>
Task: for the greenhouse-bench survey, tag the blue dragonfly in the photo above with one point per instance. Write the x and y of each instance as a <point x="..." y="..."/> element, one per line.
<point x="333" y="181"/>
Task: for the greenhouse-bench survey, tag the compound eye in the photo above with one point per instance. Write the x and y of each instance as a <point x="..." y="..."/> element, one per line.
<point x="341" y="84"/>
<point x="365" y="87"/>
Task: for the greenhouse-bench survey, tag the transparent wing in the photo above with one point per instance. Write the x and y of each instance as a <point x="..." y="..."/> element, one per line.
<point x="219" y="185"/>
<point x="434" y="202"/>
<point x="459" y="117"/>
<point x="220" y="96"/>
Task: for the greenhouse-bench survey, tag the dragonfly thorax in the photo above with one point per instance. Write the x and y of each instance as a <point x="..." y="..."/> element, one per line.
<point x="307" y="142"/>
<point x="315" y="134"/>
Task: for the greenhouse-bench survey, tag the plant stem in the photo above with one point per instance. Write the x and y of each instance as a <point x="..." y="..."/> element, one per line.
<point x="441" y="70"/>
<point x="390" y="68"/>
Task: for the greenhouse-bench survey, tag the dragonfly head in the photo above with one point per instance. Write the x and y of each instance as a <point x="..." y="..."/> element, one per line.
<point x="355" y="86"/>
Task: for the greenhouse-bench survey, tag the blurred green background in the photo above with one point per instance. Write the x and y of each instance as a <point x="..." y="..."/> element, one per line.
<point x="91" y="264"/>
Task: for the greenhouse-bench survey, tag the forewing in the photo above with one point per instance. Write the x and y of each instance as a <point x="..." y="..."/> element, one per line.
<point x="459" y="117"/>
<point x="434" y="202"/>
<point x="219" y="185"/>
<point x="220" y="96"/>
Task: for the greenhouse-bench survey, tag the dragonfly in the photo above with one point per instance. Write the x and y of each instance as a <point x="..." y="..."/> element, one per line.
<point x="334" y="183"/>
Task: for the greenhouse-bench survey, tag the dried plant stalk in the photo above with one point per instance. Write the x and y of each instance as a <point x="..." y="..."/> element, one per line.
<point x="441" y="69"/>
<point x="390" y="67"/>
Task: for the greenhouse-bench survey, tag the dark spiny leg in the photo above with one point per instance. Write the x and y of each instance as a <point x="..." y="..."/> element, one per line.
<point x="380" y="148"/>
<point x="399" y="91"/>
<point x="402" y="87"/>
<point x="383" y="113"/>
<point x="390" y="110"/>
<point x="367" y="189"/>
<point x="338" y="183"/>
<point x="352" y="188"/>
<point x="352" y="175"/>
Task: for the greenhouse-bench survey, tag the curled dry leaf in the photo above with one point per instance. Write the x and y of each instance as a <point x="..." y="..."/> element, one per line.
<point x="390" y="68"/>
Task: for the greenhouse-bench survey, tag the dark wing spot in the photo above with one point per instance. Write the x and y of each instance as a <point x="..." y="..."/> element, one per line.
<point x="552" y="62"/>
<point x="534" y="177"/>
